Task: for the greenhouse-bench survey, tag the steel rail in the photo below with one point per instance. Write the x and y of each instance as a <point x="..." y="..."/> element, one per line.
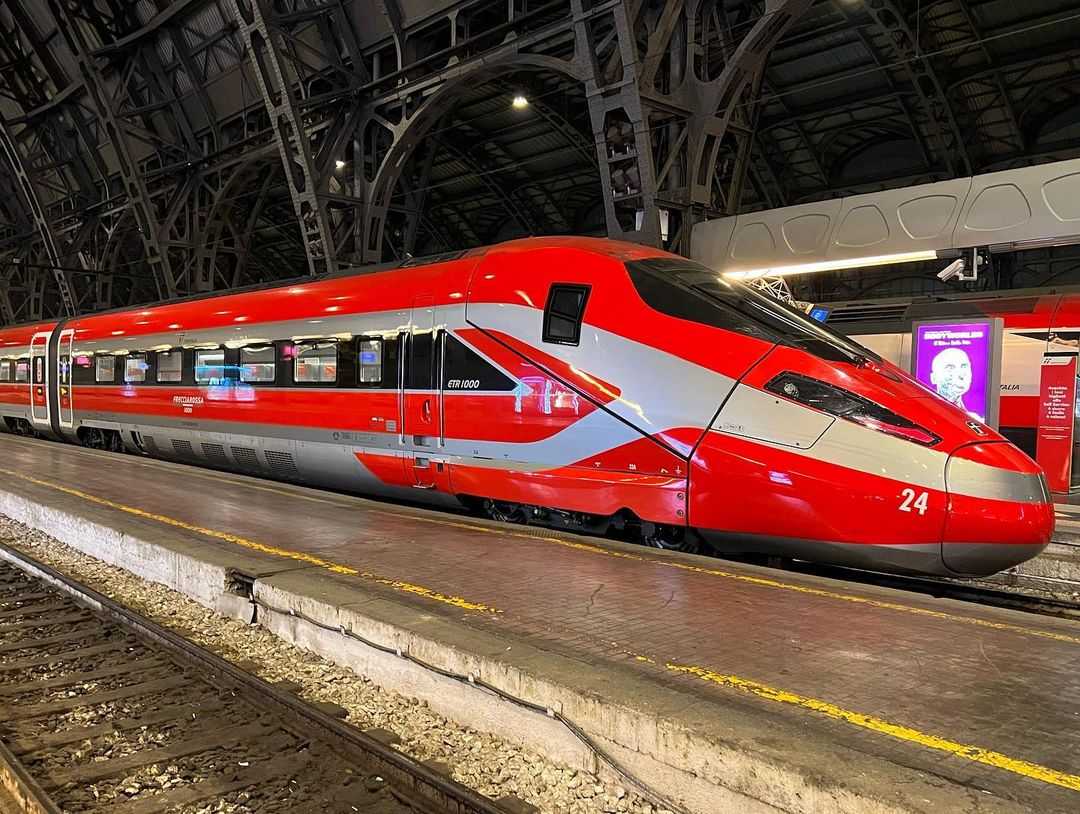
<point x="946" y="588"/>
<point x="424" y="787"/>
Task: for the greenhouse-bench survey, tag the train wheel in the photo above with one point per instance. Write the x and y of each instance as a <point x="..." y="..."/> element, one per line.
<point x="24" y="428"/>
<point x="113" y="441"/>
<point x="506" y="512"/>
<point x="672" y="538"/>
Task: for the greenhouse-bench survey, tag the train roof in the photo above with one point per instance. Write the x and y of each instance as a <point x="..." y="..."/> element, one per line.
<point x="614" y="249"/>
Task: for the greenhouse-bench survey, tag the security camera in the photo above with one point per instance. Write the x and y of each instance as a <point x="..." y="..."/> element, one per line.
<point x="954" y="269"/>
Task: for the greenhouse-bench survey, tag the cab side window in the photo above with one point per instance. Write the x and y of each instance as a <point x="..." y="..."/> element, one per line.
<point x="564" y="312"/>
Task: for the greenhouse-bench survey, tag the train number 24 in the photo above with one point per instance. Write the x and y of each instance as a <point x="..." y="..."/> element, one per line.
<point x="911" y="502"/>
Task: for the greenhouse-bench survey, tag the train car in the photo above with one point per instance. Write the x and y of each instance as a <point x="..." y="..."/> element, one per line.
<point x="1035" y="322"/>
<point x="568" y="382"/>
<point x="25" y="408"/>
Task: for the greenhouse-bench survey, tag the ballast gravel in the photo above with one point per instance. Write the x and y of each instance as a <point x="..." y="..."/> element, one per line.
<point x="485" y="763"/>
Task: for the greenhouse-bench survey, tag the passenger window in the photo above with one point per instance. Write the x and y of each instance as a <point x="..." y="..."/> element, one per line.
<point x="369" y="362"/>
<point x="210" y="366"/>
<point x="5" y="371"/>
<point x="316" y="362"/>
<point x="105" y="370"/>
<point x="22" y="370"/>
<point x="170" y="365"/>
<point x="258" y="364"/>
<point x="564" y="312"/>
<point x="135" y="368"/>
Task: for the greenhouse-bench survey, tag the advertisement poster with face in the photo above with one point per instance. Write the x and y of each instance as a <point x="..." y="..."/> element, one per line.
<point x="954" y="361"/>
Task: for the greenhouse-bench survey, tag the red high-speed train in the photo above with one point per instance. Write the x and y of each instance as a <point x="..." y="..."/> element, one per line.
<point x="570" y="382"/>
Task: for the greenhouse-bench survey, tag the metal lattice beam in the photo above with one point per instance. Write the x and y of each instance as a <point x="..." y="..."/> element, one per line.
<point x="41" y="222"/>
<point x="278" y="82"/>
<point x="927" y="85"/>
<point x="134" y="184"/>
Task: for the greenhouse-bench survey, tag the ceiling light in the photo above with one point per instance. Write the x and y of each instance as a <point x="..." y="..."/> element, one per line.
<point x="832" y="265"/>
<point x="339" y="164"/>
<point x="520" y="102"/>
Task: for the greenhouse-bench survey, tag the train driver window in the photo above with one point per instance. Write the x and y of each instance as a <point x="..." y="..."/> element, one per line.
<point x="315" y="363"/>
<point x="22" y="370"/>
<point x="258" y="364"/>
<point x="135" y="368"/>
<point x="369" y="362"/>
<point x="170" y="365"/>
<point x="210" y="366"/>
<point x="105" y="370"/>
<point x="564" y="312"/>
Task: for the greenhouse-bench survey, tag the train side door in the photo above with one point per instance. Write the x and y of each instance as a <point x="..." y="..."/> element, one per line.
<point x="421" y="398"/>
<point x="39" y="379"/>
<point x="64" y="362"/>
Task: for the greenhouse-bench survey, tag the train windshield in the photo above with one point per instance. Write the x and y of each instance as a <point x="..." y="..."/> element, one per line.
<point x="689" y="290"/>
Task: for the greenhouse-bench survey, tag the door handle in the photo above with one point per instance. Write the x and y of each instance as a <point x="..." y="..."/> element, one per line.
<point x="425" y="411"/>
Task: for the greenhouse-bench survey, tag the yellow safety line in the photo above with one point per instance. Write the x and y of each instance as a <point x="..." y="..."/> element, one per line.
<point x="905" y="733"/>
<point x="299" y="556"/>
<point x="761" y="581"/>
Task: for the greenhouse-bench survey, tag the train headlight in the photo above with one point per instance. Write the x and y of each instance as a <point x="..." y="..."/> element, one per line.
<point x="836" y="401"/>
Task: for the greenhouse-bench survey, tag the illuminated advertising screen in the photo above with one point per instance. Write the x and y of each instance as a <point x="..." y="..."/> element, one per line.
<point x="960" y="360"/>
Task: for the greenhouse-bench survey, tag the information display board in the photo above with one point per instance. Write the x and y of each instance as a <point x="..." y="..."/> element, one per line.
<point x="960" y="360"/>
<point x="1054" y="443"/>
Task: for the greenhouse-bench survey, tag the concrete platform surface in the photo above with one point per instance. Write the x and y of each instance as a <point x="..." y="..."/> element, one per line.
<point x="727" y="687"/>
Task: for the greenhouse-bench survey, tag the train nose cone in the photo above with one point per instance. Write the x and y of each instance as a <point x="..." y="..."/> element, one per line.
<point x="1000" y="512"/>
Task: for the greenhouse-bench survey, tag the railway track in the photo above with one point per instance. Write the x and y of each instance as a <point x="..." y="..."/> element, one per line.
<point x="945" y="588"/>
<point x="104" y="710"/>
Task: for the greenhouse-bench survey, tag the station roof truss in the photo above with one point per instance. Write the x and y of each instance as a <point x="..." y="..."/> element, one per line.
<point x="159" y="148"/>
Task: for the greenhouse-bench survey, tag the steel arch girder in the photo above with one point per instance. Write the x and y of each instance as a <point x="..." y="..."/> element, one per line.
<point x="25" y="185"/>
<point x="134" y="184"/>
<point x="716" y="102"/>
<point x="264" y="44"/>
<point x="925" y="82"/>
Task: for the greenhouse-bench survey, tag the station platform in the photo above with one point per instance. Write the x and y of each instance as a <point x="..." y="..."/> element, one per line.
<point x="728" y="687"/>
